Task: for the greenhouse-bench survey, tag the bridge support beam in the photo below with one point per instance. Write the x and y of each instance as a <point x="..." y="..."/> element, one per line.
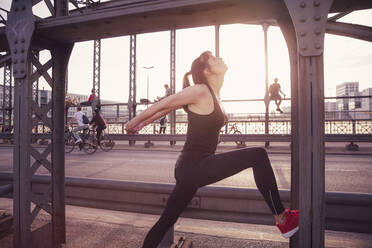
<point x="309" y="19"/>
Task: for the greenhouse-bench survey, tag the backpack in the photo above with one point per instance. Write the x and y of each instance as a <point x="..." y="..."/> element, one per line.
<point x="85" y="119"/>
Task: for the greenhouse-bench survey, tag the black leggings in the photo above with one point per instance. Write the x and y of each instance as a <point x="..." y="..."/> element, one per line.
<point x="194" y="170"/>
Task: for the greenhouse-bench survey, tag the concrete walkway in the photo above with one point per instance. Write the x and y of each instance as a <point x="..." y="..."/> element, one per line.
<point x="97" y="228"/>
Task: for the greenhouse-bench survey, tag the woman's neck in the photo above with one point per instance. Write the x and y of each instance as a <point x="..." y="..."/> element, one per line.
<point x="216" y="86"/>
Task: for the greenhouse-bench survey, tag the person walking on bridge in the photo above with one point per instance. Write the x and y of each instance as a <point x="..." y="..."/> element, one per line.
<point x="198" y="165"/>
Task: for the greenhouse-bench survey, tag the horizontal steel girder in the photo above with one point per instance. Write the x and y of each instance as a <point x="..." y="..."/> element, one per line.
<point x="242" y="205"/>
<point x="123" y="17"/>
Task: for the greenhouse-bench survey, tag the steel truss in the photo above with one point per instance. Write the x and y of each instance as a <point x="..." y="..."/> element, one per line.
<point x="173" y="78"/>
<point x="97" y="67"/>
<point x="28" y="160"/>
<point x="7" y="97"/>
<point x="132" y="77"/>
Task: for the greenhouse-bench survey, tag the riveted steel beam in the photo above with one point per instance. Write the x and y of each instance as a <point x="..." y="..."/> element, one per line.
<point x="132" y="77"/>
<point x="173" y="76"/>
<point x="97" y="67"/>
<point x="309" y="18"/>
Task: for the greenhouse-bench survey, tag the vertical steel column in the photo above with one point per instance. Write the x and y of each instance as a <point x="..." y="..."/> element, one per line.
<point x="19" y="30"/>
<point x="217" y="40"/>
<point x="97" y="67"/>
<point x="7" y="95"/>
<point x="309" y="18"/>
<point x="61" y="55"/>
<point x="287" y="29"/>
<point x="132" y="78"/>
<point x="173" y="78"/>
<point x="265" y="27"/>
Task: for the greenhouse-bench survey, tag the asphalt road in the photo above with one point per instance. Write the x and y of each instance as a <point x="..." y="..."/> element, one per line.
<point x="344" y="173"/>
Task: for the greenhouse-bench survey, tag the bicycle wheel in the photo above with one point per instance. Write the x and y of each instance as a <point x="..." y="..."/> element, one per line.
<point x="69" y="143"/>
<point x="239" y="143"/>
<point x="90" y="143"/>
<point x="106" y="142"/>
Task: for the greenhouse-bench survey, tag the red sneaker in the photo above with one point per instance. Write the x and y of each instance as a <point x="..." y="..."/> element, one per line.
<point x="290" y="225"/>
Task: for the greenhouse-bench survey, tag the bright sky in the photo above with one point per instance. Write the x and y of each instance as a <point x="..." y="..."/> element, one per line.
<point x="242" y="48"/>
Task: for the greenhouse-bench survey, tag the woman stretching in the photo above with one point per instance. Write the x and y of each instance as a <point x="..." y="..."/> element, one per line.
<point x="198" y="165"/>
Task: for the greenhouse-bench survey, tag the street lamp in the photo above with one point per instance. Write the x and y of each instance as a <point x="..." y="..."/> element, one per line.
<point x="148" y="68"/>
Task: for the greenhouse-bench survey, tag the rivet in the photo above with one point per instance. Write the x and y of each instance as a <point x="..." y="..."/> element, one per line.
<point x="317" y="46"/>
<point x="317" y="32"/>
<point x="16" y="41"/>
<point x="22" y="71"/>
<point x="16" y="9"/>
<point x="316" y="3"/>
<point x="15" y="61"/>
<point x="303" y="19"/>
<point x="23" y="50"/>
<point x="23" y="40"/>
<point x="23" y="7"/>
<point x="15" y="71"/>
<point x="22" y="61"/>
<point x="302" y="4"/>
<point x="303" y="34"/>
<point x="317" y="17"/>
<point x="304" y="48"/>
<point x="15" y="51"/>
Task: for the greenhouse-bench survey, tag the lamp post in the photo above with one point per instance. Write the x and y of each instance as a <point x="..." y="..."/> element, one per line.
<point x="148" y="68"/>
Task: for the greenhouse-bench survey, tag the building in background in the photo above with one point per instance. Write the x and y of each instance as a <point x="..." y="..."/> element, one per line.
<point x="353" y="108"/>
<point x="346" y="89"/>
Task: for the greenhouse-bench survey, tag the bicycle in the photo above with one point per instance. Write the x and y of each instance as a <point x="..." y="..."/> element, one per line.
<point x="88" y="144"/>
<point x="105" y="143"/>
<point x="233" y="129"/>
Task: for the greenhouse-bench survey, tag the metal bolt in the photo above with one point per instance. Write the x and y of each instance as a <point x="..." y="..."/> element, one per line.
<point x="317" y="46"/>
<point x="303" y="34"/>
<point x="316" y="3"/>
<point x="317" y="17"/>
<point x="303" y="19"/>
<point x="302" y="4"/>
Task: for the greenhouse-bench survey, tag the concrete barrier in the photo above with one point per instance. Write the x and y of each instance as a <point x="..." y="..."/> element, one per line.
<point x="347" y="212"/>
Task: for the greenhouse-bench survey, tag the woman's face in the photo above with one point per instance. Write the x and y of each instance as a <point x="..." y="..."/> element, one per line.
<point x="217" y="65"/>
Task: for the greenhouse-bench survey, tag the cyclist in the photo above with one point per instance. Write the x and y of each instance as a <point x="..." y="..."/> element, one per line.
<point x="82" y="125"/>
<point x="99" y="122"/>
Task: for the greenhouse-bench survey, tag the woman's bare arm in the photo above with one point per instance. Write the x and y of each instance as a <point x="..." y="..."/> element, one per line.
<point x="189" y="95"/>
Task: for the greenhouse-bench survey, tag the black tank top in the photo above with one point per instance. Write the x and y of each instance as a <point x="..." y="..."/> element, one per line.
<point x="203" y="131"/>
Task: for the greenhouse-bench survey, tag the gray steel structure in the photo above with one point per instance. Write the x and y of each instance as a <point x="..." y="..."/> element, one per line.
<point x="303" y="24"/>
<point x="7" y="95"/>
<point x="97" y="67"/>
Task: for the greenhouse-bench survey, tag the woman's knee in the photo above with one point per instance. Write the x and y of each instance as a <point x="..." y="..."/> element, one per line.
<point x="258" y="154"/>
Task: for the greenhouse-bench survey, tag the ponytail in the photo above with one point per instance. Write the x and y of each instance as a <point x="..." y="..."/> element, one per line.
<point x="186" y="81"/>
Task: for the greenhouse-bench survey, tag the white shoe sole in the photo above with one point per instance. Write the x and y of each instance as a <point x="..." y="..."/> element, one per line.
<point x="290" y="233"/>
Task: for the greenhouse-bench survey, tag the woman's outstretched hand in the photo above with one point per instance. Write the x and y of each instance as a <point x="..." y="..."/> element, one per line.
<point x="130" y="129"/>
